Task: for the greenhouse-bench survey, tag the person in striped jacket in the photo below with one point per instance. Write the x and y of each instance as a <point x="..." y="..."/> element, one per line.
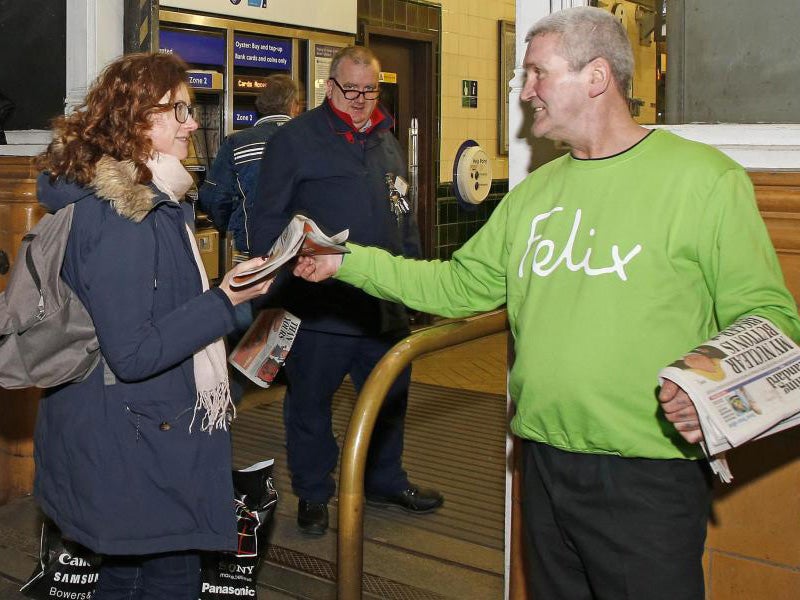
<point x="227" y="194"/>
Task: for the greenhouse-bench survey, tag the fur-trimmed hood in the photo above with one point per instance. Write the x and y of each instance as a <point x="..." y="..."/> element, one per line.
<point x="114" y="182"/>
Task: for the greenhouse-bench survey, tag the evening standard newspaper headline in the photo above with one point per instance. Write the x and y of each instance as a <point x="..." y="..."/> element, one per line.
<point x="261" y="352"/>
<point x="745" y="384"/>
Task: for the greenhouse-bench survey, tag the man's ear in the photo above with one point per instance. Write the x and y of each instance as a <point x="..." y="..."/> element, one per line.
<point x="328" y="88"/>
<point x="600" y="77"/>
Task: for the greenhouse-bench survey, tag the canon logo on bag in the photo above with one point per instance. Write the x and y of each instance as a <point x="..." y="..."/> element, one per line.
<point x="65" y="558"/>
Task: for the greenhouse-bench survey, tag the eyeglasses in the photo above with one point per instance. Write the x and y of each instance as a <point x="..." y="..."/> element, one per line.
<point x="182" y="111"/>
<point x="353" y="94"/>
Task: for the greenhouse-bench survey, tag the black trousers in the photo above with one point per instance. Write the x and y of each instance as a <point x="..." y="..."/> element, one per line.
<point x="601" y="527"/>
<point x="315" y="368"/>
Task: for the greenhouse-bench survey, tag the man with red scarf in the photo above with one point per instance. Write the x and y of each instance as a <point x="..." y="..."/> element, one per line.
<point x="340" y="165"/>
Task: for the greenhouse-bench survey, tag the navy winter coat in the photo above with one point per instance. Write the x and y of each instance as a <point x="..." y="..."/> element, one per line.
<point x="318" y="165"/>
<point x="228" y="192"/>
<point x="116" y="466"/>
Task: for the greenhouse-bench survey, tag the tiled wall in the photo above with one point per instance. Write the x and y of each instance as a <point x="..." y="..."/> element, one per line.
<point x="468" y="49"/>
<point x="454" y="224"/>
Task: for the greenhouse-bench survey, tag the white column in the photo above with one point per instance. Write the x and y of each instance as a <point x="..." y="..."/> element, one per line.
<point x="519" y="150"/>
<point x="94" y="38"/>
<point x="519" y="157"/>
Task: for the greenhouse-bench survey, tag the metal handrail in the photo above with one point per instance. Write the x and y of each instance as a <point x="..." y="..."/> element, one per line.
<point x="362" y="423"/>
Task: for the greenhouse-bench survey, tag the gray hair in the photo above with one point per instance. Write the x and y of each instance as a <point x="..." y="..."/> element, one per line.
<point x="279" y="95"/>
<point x="588" y="33"/>
<point x="360" y="55"/>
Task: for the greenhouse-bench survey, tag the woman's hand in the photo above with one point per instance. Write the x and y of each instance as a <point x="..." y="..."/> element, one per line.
<point x="243" y="294"/>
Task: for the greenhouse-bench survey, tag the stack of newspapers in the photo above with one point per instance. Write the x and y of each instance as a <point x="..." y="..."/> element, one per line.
<point x="745" y="384"/>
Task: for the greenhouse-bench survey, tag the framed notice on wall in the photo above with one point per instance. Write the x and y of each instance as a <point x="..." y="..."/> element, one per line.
<point x="319" y="70"/>
<point x="506" y="44"/>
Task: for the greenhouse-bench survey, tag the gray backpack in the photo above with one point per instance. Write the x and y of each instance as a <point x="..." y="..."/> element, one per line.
<point x="46" y="334"/>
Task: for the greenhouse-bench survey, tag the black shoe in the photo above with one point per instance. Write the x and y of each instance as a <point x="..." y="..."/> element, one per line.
<point x="413" y="499"/>
<point x="312" y="517"/>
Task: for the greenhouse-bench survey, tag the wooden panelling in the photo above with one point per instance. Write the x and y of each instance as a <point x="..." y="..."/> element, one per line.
<point x="19" y="211"/>
<point x="756" y="516"/>
<point x="753" y="546"/>
<point x="736" y="578"/>
<point x="778" y="197"/>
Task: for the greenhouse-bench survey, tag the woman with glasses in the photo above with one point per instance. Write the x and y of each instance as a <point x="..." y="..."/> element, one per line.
<point x="134" y="461"/>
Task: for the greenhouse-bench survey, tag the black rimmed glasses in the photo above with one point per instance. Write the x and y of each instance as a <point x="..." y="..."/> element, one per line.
<point x="182" y="111"/>
<point x="353" y="94"/>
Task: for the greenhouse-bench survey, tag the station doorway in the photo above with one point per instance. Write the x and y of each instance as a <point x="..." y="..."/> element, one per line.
<point x="407" y="61"/>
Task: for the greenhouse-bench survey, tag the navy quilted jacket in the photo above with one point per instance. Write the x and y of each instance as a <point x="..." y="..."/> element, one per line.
<point x="116" y="466"/>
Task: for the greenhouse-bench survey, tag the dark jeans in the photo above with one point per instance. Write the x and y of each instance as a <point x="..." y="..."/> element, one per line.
<point x="171" y="576"/>
<point x="612" y="528"/>
<point x="315" y="368"/>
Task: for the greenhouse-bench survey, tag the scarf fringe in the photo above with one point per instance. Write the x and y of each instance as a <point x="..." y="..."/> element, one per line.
<point x="216" y="407"/>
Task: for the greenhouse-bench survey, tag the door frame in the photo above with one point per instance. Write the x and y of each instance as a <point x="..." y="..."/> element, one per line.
<point x="425" y="53"/>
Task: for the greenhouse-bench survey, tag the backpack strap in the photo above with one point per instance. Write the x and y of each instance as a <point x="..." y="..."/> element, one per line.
<point x="34" y="275"/>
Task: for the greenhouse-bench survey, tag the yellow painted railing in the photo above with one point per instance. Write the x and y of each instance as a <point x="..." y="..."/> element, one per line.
<point x="362" y="423"/>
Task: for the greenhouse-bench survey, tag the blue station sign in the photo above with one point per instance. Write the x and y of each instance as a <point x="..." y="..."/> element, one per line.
<point x="262" y="53"/>
<point x="193" y="47"/>
<point x="244" y="118"/>
<point x="200" y="80"/>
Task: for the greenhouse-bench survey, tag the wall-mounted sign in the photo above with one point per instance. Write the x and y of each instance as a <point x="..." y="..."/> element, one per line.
<point x="332" y="15"/>
<point x="387" y="77"/>
<point x="204" y="80"/>
<point x="244" y="118"/>
<point x="193" y="46"/>
<point x="323" y="57"/>
<point x="472" y="174"/>
<point x="249" y="83"/>
<point x="469" y="93"/>
<point x="262" y="53"/>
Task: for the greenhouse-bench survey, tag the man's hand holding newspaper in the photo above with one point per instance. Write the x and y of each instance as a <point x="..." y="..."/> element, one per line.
<point x="744" y="384"/>
<point x="301" y="237"/>
<point x="680" y="411"/>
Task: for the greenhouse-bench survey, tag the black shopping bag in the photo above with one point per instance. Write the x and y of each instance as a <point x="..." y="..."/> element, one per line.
<point x="65" y="569"/>
<point x="232" y="575"/>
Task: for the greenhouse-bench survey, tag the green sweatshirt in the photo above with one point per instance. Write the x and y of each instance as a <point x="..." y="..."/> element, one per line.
<point x="610" y="269"/>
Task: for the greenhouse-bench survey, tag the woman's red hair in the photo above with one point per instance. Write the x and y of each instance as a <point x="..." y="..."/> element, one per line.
<point x="114" y="118"/>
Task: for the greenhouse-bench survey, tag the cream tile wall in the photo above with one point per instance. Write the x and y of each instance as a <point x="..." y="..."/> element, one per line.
<point x="470" y="51"/>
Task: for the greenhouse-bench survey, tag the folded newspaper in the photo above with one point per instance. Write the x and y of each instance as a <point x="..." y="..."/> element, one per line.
<point x="261" y="352"/>
<point x="745" y="384"/>
<point x="301" y="237"/>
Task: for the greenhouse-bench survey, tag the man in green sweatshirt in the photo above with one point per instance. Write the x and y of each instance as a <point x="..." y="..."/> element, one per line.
<point x="613" y="261"/>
